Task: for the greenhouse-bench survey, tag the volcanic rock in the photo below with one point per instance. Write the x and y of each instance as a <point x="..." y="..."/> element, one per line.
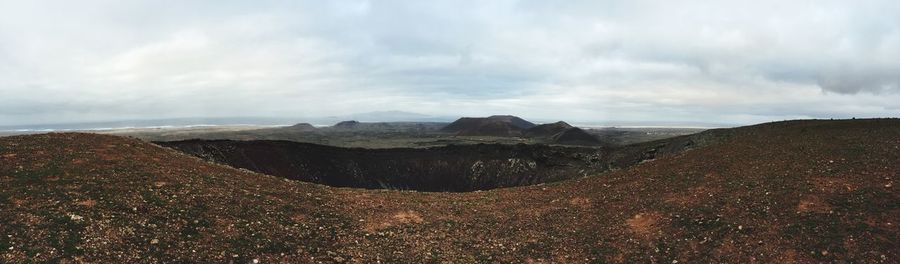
<point x="575" y="136"/>
<point x="497" y="125"/>
<point x="547" y="130"/>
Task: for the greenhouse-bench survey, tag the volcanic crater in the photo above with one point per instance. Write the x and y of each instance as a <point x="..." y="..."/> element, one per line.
<point x="450" y="168"/>
<point x="453" y="168"/>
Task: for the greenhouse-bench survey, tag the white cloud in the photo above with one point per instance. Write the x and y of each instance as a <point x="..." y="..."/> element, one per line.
<point x="721" y="61"/>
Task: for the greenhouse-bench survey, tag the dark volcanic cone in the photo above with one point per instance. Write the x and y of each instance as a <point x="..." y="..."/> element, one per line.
<point x="302" y="127"/>
<point x="575" y="136"/>
<point x="352" y="124"/>
<point x="498" y="125"/>
<point x="547" y="130"/>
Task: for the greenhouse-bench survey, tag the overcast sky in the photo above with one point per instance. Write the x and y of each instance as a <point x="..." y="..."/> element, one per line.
<point x="709" y="61"/>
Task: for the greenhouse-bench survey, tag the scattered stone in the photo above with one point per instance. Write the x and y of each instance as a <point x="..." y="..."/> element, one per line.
<point x="88" y="203"/>
<point x="75" y="217"/>
<point x="260" y="216"/>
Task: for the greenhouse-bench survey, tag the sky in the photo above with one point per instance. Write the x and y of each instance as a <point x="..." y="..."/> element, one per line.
<point x="735" y="62"/>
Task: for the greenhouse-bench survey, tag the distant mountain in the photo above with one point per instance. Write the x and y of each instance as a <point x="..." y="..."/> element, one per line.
<point x="383" y="116"/>
<point x="346" y="124"/>
<point x="498" y="125"/>
<point x="167" y="122"/>
<point x="383" y="127"/>
<point x="514" y="120"/>
<point x="547" y="130"/>
<point x="575" y="136"/>
<point x="301" y="127"/>
<point x="562" y="133"/>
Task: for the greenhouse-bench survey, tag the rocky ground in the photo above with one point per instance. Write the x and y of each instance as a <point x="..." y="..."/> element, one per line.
<point x="799" y="191"/>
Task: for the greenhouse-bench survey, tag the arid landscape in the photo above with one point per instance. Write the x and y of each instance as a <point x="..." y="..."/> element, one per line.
<point x="449" y="131"/>
<point x="789" y="192"/>
<point x="351" y="133"/>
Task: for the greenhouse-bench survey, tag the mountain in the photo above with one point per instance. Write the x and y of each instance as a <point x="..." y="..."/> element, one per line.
<point x="149" y="123"/>
<point x="514" y="120"/>
<point x="562" y="133"/>
<point x="812" y="191"/>
<point x="301" y="127"/>
<point x="497" y="125"/>
<point x="352" y="124"/>
<point x="547" y="130"/>
<point x="575" y="136"/>
<point x="384" y="127"/>
<point x="382" y="116"/>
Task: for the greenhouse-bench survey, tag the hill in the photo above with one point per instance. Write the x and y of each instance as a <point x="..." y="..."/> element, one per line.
<point x="351" y="124"/>
<point x="547" y="130"/>
<point x="303" y="127"/>
<point x="575" y="136"/>
<point x="498" y="125"/>
<point x="562" y="133"/>
<point x="798" y="191"/>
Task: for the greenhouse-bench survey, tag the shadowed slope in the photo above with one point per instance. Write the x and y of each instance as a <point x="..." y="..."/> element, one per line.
<point x="448" y="168"/>
<point x="802" y="191"/>
<point x="575" y="136"/>
<point x="547" y="130"/>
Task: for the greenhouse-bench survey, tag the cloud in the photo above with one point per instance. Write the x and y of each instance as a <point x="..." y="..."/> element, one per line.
<point x="722" y="61"/>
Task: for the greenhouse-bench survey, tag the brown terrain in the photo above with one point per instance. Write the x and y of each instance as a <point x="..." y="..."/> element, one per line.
<point x="785" y="192"/>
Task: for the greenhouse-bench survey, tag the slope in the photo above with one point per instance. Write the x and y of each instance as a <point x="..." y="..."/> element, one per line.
<point x="451" y="168"/>
<point x="575" y="136"/>
<point x="800" y="191"/>
<point x="547" y="130"/>
<point x="497" y="125"/>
